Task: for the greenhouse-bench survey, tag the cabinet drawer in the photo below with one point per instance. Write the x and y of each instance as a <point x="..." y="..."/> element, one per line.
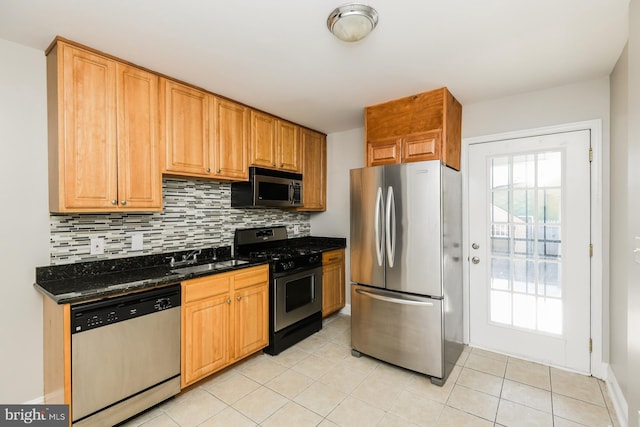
<point x="251" y="276"/>
<point x="206" y="287"/>
<point x="333" y="256"/>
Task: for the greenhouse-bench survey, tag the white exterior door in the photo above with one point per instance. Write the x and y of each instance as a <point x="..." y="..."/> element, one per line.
<point x="529" y="253"/>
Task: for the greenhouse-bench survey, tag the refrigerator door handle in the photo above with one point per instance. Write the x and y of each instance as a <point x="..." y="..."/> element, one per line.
<point x="393" y="300"/>
<point x="391" y="226"/>
<point x="379" y="242"/>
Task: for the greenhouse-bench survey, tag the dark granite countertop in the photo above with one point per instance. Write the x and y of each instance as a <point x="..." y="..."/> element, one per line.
<point x="83" y="281"/>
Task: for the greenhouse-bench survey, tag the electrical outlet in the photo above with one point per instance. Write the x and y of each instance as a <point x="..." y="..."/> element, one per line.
<point x="97" y="246"/>
<point x="137" y="241"/>
<point x="296" y="229"/>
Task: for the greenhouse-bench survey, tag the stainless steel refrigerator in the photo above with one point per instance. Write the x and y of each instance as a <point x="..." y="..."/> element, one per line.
<point x="406" y="270"/>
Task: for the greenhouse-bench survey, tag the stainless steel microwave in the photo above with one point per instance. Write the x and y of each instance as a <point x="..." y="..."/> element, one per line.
<point x="267" y="188"/>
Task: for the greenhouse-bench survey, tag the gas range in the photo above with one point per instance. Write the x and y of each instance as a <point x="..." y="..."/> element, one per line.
<point x="295" y="291"/>
<point x="271" y="244"/>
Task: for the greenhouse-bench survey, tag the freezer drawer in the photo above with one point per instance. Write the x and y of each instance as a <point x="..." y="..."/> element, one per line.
<point x="401" y="329"/>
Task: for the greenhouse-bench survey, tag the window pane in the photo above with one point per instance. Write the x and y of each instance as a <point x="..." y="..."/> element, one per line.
<point x="524" y="206"/>
<point x="550" y="169"/>
<point x="549" y="242"/>
<point x="524" y="276"/>
<point x="549" y="206"/>
<point x="550" y="315"/>
<point x="500" y="273"/>
<point x="501" y="307"/>
<point x="524" y="240"/>
<point x="549" y="279"/>
<point x="524" y="171"/>
<point x="524" y="311"/>
<point x="500" y="172"/>
<point x="500" y="206"/>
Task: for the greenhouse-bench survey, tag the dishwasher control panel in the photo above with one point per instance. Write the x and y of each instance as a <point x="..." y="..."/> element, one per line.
<point x="97" y="314"/>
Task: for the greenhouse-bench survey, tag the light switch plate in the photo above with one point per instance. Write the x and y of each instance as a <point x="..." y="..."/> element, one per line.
<point x="296" y="229"/>
<point x="137" y="241"/>
<point x="97" y="246"/>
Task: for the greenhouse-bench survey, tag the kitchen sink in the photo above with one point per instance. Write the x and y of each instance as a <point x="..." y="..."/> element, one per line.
<point x="209" y="267"/>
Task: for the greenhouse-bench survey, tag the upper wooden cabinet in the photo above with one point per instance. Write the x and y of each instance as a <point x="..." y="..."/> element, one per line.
<point x="314" y="170"/>
<point x="231" y="142"/>
<point x="426" y="126"/>
<point x="275" y="143"/>
<point x="103" y="135"/>
<point x="204" y="136"/>
<point x="185" y="119"/>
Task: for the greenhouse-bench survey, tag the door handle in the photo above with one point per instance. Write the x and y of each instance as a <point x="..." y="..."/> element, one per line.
<point x="391" y="226"/>
<point x="379" y="242"/>
<point x="393" y="300"/>
<point x="475" y="260"/>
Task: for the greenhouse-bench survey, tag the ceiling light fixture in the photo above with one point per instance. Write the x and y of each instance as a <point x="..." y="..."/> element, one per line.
<point x="352" y="22"/>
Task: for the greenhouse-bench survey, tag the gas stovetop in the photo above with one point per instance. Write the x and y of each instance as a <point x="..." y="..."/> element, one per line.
<point x="271" y="244"/>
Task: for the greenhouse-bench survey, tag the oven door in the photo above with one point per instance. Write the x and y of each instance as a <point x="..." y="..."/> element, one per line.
<point x="297" y="296"/>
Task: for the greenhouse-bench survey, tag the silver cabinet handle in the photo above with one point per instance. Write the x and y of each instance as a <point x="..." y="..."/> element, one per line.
<point x="238" y="298"/>
<point x="475" y="260"/>
<point x="114" y="202"/>
<point x="208" y="170"/>
<point x="393" y="300"/>
<point x="475" y="245"/>
<point x="228" y="300"/>
<point x="123" y="202"/>
<point x="218" y="170"/>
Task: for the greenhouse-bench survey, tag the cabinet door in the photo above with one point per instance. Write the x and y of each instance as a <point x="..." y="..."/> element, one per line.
<point x="314" y="170"/>
<point x="263" y="140"/>
<point x="288" y="146"/>
<point x="251" y="320"/>
<point x="88" y="153"/>
<point x="139" y="176"/>
<point x="231" y="123"/>
<point x="205" y="338"/>
<point x="383" y="152"/>
<point x="333" y="282"/>
<point x="184" y="119"/>
<point x="421" y="146"/>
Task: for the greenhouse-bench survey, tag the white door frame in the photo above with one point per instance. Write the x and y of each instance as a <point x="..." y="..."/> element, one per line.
<point x="598" y="262"/>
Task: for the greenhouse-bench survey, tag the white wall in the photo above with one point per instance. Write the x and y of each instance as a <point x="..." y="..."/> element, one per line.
<point x="633" y="160"/>
<point x="24" y="219"/>
<point x="345" y="151"/>
<point x="619" y="244"/>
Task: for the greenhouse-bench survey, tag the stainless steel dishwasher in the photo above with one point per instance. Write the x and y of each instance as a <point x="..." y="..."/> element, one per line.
<point x="125" y="355"/>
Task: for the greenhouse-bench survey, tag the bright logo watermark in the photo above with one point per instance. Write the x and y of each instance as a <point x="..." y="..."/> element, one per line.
<point x="34" y="415"/>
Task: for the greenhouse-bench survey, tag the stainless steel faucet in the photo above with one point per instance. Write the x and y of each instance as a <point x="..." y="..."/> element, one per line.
<point x="188" y="259"/>
<point x="191" y="254"/>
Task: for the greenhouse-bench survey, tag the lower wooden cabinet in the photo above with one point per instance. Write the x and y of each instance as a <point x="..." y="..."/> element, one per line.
<point x="225" y="317"/>
<point x="333" y="282"/>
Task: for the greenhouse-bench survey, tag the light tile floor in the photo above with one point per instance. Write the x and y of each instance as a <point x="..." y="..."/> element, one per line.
<point x="318" y="383"/>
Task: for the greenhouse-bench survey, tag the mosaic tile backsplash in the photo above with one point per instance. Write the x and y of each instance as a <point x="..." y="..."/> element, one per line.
<point x="196" y="214"/>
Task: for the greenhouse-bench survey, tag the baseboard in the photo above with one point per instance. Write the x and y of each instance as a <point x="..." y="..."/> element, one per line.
<point x="617" y="398"/>
<point x="346" y="310"/>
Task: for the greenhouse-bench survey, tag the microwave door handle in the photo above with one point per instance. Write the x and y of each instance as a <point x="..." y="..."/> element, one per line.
<point x="291" y="192"/>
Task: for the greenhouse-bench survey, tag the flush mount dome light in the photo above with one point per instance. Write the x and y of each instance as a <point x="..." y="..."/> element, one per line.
<point x="352" y="22"/>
